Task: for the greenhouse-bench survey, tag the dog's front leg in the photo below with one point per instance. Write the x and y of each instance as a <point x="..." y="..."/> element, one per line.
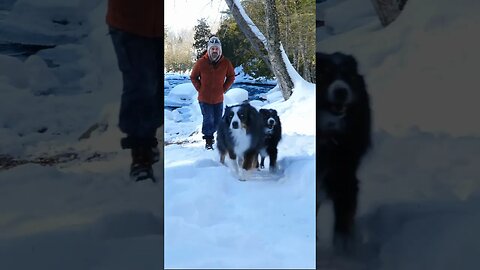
<point x="240" y="170"/>
<point x="233" y="158"/>
<point x="272" y="153"/>
<point x="250" y="160"/>
<point x="345" y="206"/>
<point x="222" y="157"/>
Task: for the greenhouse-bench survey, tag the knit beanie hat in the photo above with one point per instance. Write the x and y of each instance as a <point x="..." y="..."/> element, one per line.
<point x="214" y="42"/>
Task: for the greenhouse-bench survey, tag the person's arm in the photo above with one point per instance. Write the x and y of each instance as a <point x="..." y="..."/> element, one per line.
<point x="195" y="76"/>
<point x="230" y="77"/>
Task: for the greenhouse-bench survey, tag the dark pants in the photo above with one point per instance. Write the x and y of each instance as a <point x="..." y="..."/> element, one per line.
<point x="212" y="115"/>
<point x="140" y="60"/>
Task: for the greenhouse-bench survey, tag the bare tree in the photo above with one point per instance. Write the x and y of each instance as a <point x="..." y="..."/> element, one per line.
<point x="249" y="33"/>
<point x="274" y="51"/>
<point x="388" y="10"/>
<point x="270" y="50"/>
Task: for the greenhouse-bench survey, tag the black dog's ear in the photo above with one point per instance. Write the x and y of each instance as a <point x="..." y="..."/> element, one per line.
<point x="352" y="63"/>
<point x="274" y="112"/>
<point x="263" y="112"/>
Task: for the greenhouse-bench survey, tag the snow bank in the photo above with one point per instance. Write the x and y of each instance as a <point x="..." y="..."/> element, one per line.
<point x="420" y="69"/>
<point x="48" y="22"/>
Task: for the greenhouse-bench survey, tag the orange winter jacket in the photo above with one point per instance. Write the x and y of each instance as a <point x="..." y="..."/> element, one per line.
<point x="212" y="80"/>
<point x="140" y="17"/>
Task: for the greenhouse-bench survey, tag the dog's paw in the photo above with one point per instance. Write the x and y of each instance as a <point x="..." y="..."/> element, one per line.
<point x="242" y="174"/>
<point x="344" y="244"/>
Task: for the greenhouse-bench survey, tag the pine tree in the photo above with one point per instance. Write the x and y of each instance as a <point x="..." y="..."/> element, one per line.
<point x="202" y="34"/>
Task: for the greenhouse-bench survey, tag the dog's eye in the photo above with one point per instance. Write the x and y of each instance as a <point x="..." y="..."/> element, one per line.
<point x="241" y="115"/>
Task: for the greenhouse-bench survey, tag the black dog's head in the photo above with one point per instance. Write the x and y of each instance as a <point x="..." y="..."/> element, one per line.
<point x="239" y="116"/>
<point x="342" y="100"/>
<point x="270" y="120"/>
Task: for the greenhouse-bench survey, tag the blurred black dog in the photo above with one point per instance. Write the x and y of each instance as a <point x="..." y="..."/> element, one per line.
<point x="273" y="135"/>
<point x="343" y="137"/>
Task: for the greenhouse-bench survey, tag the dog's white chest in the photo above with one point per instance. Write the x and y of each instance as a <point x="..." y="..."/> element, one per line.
<point x="242" y="140"/>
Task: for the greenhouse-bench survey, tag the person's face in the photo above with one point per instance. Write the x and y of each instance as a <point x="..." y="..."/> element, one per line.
<point x="214" y="51"/>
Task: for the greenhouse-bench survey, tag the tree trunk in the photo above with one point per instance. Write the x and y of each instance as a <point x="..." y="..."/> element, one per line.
<point x="244" y="26"/>
<point x="274" y="52"/>
<point x="271" y="44"/>
<point x="388" y="10"/>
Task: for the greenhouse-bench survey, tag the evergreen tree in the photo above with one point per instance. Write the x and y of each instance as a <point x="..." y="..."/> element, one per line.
<point x="201" y="36"/>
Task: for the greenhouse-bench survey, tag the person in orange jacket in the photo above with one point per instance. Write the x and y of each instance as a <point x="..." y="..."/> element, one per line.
<point x="136" y="30"/>
<point x="211" y="76"/>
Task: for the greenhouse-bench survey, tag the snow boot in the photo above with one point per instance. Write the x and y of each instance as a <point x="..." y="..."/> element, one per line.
<point x="209" y="141"/>
<point x="155" y="154"/>
<point x="141" y="167"/>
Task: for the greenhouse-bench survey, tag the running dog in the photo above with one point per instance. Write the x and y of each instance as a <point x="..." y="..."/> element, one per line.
<point x="343" y="137"/>
<point x="241" y="135"/>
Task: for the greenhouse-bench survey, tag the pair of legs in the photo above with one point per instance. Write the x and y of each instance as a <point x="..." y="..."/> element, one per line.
<point x="140" y="60"/>
<point x="212" y="115"/>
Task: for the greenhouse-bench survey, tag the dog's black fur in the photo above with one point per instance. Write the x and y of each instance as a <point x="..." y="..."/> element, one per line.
<point x="343" y="137"/>
<point x="273" y="135"/>
<point x="250" y="121"/>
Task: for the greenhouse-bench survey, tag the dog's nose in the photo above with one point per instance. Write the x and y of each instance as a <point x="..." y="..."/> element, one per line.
<point x="235" y="124"/>
<point x="271" y="122"/>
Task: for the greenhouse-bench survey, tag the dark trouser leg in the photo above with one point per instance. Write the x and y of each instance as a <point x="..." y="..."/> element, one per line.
<point x="140" y="60"/>
<point x="217" y="114"/>
<point x="141" y="111"/>
<point x="208" y="124"/>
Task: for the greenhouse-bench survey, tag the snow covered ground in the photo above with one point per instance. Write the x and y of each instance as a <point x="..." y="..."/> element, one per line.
<point x="213" y="220"/>
<point x="419" y="200"/>
<point x="83" y="213"/>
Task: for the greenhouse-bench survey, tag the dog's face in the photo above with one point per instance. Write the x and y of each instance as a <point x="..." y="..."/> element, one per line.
<point x="237" y="117"/>
<point x="270" y="119"/>
<point x="338" y="82"/>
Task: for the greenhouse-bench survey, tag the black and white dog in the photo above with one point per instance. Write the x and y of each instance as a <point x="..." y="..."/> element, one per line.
<point x="273" y="135"/>
<point x="343" y="137"/>
<point x="241" y="135"/>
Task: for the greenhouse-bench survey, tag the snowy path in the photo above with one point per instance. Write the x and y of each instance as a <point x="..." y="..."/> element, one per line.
<point x="79" y="216"/>
<point x="214" y="220"/>
<point x="419" y="205"/>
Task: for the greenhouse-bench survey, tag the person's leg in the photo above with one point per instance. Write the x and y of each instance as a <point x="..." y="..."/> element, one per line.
<point x="141" y="108"/>
<point x="217" y="114"/>
<point x="208" y="124"/>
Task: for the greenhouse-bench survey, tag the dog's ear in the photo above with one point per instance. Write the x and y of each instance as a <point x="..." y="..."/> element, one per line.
<point x="225" y="113"/>
<point x="352" y="63"/>
<point x="274" y="112"/>
<point x="264" y="112"/>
